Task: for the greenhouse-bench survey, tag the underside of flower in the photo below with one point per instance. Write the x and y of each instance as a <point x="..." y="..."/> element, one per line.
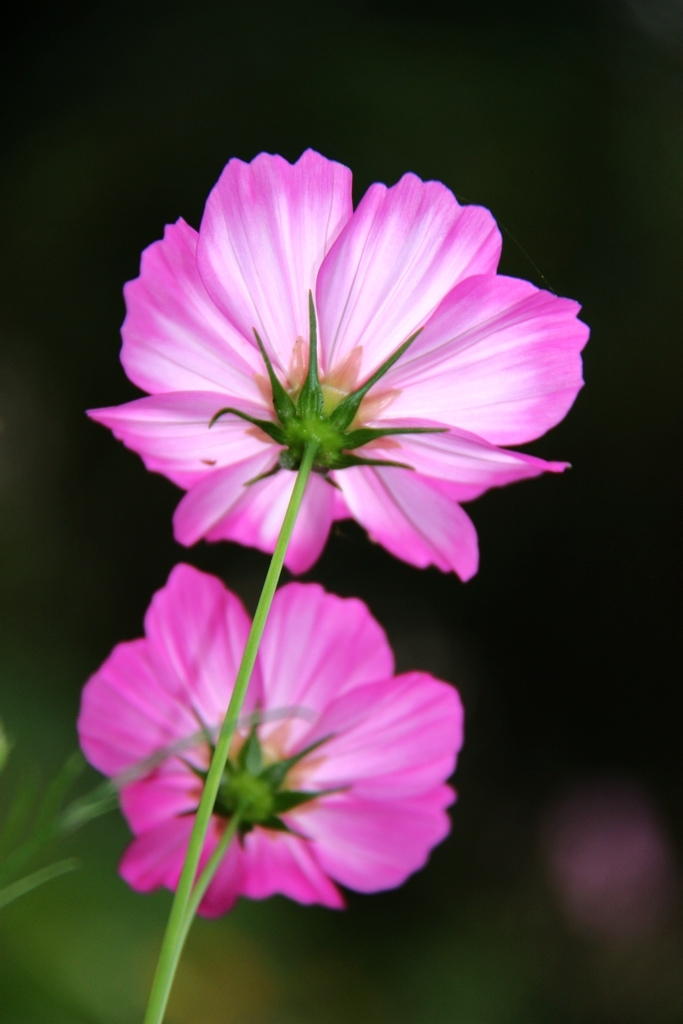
<point x="320" y="415"/>
<point x="257" y="789"/>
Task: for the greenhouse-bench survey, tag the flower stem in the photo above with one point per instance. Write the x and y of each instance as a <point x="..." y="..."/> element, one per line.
<point x="207" y="874"/>
<point x="177" y="927"/>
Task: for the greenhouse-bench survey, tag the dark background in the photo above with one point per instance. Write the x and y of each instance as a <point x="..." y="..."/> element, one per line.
<point x="566" y="120"/>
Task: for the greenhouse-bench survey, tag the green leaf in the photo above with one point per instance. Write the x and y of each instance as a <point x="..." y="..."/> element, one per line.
<point x="101" y="800"/>
<point x="46" y="823"/>
<point x="267" y="426"/>
<point x="20" y="810"/>
<point x="24" y="885"/>
<point x="56" y="792"/>
<point x="5" y="746"/>
<point x="310" y="401"/>
<point x="346" y="410"/>
<point x="283" y="404"/>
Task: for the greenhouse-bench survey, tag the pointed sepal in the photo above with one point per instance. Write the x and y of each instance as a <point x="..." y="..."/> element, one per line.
<point x="343" y="415"/>
<point x="284" y="406"/>
<point x="310" y="400"/>
<point x="267" y="426"/>
<point x="357" y="438"/>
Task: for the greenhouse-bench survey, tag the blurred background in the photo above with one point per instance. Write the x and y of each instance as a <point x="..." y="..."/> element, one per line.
<point x="557" y="898"/>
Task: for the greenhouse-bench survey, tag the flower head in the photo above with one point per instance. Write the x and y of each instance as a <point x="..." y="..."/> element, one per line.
<point x="383" y="335"/>
<point x="338" y="766"/>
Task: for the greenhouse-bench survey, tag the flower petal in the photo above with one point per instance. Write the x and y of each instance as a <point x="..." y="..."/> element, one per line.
<point x="266" y="228"/>
<point x="256" y="518"/>
<point x="211" y="499"/>
<point x="469" y="464"/>
<point x="156" y="857"/>
<point x="403" y="250"/>
<point x="499" y="358"/>
<point x="174" y="337"/>
<point x="279" y="863"/>
<point x="389" y="740"/>
<point x="227" y="884"/>
<point x="369" y="845"/>
<point x="127" y="713"/>
<point x="171" y="790"/>
<point x="171" y="433"/>
<point x="317" y="646"/>
<point x="197" y="631"/>
<point x="412" y="518"/>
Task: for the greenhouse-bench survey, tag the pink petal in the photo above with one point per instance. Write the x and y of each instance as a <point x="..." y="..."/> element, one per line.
<point x="174" y="337"/>
<point x="197" y="631"/>
<point x="498" y="358"/>
<point x="228" y="882"/>
<point x="127" y="713"/>
<point x="317" y="646"/>
<point x="209" y="500"/>
<point x="389" y="740"/>
<point x="403" y="250"/>
<point x="410" y="516"/>
<point x="469" y="464"/>
<point x="156" y="857"/>
<point x="280" y="863"/>
<point x="171" y="790"/>
<point x="370" y="845"/>
<point x="257" y="516"/>
<point x="172" y="435"/>
<point x="266" y="228"/>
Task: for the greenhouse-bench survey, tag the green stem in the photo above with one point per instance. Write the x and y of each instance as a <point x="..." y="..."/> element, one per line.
<point x="176" y="927"/>
<point x="209" y="871"/>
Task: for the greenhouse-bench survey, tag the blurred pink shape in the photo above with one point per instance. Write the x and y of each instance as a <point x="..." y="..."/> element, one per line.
<point x="371" y="750"/>
<point x="610" y="860"/>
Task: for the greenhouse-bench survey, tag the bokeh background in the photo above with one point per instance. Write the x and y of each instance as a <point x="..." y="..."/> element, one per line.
<point x="557" y="898"/>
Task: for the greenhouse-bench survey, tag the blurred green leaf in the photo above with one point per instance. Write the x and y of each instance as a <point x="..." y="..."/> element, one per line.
<point x="101" y="800"/>
<point x="5" y="746"/>
<point x="25" y="885"/>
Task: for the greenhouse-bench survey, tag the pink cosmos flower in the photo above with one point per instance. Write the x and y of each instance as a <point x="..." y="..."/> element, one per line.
<point x="416" y="333"/>
<point x="343" y="763"/>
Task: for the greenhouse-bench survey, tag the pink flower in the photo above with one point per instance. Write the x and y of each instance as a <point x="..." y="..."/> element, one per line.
<point x="486" y="359"/>
<point x="344" y="764"/>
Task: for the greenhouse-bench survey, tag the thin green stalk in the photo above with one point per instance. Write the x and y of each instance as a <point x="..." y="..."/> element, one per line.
<point x="30" y="882"/>
<point x="209" y="871"/>
<point x="176" y="927"/>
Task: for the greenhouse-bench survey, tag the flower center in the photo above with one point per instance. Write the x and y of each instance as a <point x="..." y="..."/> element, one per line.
<point x="258" y="790"/>
<point x="254" y="796"/>
<point x="321" y="415"/>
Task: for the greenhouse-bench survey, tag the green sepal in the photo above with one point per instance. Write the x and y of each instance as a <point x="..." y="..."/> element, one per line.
<point x="357" y="438"/>
<point x="275" y="773"/>
<point x="344" y="461"/>
<point x="346" y="410"/>
<point x="277" y="825"/>
<point x="287" y="800"/>
<point x="267" y="426"/>
<point x="283" y="404"/>
<point x="250" y="758"/>
<point x="310" y="400"/>
<point x="263" y="476"/>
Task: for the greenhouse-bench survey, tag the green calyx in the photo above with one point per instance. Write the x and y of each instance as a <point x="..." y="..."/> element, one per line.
<point x="258" y="790"/>
<point x="311" y="418"/>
